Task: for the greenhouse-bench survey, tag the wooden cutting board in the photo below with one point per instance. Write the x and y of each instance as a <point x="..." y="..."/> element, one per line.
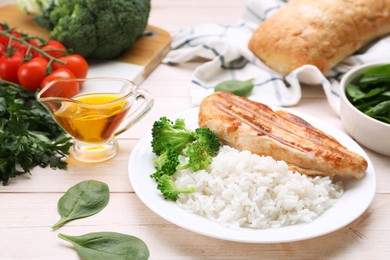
<point x="146" y="53"/>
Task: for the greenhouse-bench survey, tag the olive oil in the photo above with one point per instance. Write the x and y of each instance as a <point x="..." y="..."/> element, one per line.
<point x="92" y="118"/>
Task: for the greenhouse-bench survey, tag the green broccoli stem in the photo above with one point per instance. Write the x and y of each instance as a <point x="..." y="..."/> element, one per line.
<point x="30" y="47"/>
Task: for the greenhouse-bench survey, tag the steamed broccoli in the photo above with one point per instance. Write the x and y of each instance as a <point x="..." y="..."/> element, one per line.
<point x="91" y="28"/>
<point x="199" y="156"/>
<point x="170" y="140"/>
<point x="201" y="151"/>
<point x="165" y="134"/>
<point x="206" y="136"/>
<point x="170" y="190"/>
<point x="165" y="164"/>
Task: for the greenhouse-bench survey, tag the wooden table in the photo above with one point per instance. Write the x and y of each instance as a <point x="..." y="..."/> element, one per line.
<point x="28" y="203"/>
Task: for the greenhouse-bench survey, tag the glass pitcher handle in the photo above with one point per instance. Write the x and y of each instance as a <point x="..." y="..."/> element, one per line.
<point x="139" y="112"/>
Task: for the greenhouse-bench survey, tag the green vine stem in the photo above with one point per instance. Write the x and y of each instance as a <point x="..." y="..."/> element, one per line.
<point x="10" y="84"/>
<point x="30" y="47"/>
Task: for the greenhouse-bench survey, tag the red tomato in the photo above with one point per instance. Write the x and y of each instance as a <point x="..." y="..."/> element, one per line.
<point x="54" y="48"/>
<point x="2" y="49"/>
<point x="75" y="63"/>
<point x="36" y="44"/>
<point x="19" y="47"/>
<point x="32" y="73"/>
<point x="3" y="38"/>
<point x="60" y="89"/>
<point x="9" y="66"/>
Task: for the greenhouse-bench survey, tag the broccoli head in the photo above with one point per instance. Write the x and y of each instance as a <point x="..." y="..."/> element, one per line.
<point x="166" y="134"/>
<point x="170" y="190"/>
<point x="206" y="136"/>
<point x="199" y="156"/>
<point x="93" y="28"/>
<point x="165" y="164"/>
<point x="201" y="151"/>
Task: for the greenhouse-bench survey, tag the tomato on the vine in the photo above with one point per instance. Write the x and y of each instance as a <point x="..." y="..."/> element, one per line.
<point x="9" y="66"/>
<point x="18" y="46"/>
<point x="54" y="48"/>
<point x="6" y="39"/>
<point x="3" y="38"/>
<point x="75" y="63"/>
<point x="34" y="43"/>
<point x="2" y="49"/>
<point x="61" y="89"/>
<point x="32" y="73"/>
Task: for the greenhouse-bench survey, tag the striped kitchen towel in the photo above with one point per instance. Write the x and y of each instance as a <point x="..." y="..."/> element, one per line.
<point x="224" y="47"/>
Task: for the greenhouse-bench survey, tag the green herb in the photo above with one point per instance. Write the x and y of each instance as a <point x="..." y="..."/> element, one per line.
<point x="238" y="87"/>
<point x="29" y="136"/>
<point x="370" y="93"/>
<point x="108" y="245"/>
<point x="82" y="200"/>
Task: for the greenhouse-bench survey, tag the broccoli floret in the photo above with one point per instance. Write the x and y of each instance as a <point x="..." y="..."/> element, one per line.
<point x="92" y="28"/>
<point x="199" y="156"/>
<point x="170" y="190"/>
<point x="200" y="152"/>
<point x="166" y="134"/>
<point x="165" y="164"/>
<point x="80" y="21"/>
<point x="206" y="136"/>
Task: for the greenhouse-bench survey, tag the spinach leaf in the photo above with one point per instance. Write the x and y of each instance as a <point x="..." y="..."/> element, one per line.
<point x="379" y="109"/>
<point x="370" y="93"/>
<point x="376" y="74"/>
<point x="108" y="245"/>
<point x="354" y="92"/>
<point x="82" y="200"/>
<point x="238" y="87"/>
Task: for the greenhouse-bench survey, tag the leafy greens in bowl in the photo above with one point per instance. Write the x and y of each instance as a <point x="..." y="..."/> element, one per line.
<point x="365" y="105"/>
<point x="370" y="92"/>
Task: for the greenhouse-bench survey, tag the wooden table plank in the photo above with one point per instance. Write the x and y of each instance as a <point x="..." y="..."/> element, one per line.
<point x="362" y="239"/>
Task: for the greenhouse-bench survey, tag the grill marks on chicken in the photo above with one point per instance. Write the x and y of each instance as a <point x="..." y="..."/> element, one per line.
<point x="249" y="125"/>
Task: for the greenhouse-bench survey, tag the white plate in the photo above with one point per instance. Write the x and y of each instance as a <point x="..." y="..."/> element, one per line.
<point x="357" y="196"/>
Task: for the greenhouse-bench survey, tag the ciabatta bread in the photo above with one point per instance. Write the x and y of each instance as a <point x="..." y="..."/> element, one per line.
<point x="318" y="32"/>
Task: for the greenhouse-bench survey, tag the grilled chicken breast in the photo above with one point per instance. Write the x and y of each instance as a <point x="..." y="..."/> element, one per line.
<point x="248" y="125"/>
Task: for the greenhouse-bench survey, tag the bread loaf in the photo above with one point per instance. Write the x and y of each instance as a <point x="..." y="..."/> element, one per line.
<point x="318" y="32"/>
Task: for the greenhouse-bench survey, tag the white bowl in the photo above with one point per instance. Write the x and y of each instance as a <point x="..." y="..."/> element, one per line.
<point x="369" y="132"/>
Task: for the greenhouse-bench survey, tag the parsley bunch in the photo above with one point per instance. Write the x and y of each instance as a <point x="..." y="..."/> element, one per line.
<point x="29" y="136"/>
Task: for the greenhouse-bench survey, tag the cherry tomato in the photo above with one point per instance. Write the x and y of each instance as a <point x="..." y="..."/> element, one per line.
<point x="2" y="49"/>
<point x="36" y="44"/>
<point x="75" y="63"/>
<point x="9" y="66"/>
<point x="54" y="48"/>
<point x="32" y="73"/>
<point x="3" y="39"/>
<point x="60" y="89"/>
<point x="19" y="47"/>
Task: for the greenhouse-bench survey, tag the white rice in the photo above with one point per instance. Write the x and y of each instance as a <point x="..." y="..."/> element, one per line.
<point x="241" y="189"/>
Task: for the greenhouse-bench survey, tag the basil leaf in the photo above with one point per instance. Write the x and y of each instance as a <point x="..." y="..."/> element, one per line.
<point x="108" y="245"/>
<point x="82" y="200"/>
<point x="238" y="87"/>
